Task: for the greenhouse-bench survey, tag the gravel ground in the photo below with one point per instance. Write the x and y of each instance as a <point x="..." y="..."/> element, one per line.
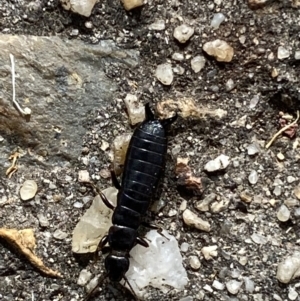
<point x="251" y="239"/>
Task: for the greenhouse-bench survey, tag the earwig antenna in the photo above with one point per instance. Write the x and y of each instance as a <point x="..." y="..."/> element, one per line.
<point x="92" y="292"/>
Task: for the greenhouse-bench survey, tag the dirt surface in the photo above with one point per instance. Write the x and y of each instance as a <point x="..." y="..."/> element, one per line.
<point x="277" y="24"/>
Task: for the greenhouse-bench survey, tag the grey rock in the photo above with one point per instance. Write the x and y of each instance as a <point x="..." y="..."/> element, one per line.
<point x="60" y="81"/>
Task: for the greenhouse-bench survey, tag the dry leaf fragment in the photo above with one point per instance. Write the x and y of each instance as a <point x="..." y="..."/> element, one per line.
<point x="13" y="168"/>
<point x="186" y="107"/>
<point x="186" y="178"/>
<point x="24" y="241"/>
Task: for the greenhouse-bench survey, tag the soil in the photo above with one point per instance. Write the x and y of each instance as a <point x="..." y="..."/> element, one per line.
<point x="265" y="29"/>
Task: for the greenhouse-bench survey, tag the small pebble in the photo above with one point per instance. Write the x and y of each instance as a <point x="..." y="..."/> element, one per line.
<point x="220" y="50"/>
<point x="253" y="177"/>
<point x="292" y="294"/>
<point x="249" y="285"/>
<point x="158" y="25"/>
<point x="245" y="197"/>
<point x="259" y="239"/>
<point x="233" y="286"/>
<point x="60" y="235"/>
<point x="297" y="192"/>
<point x="198" y="63"/>
<point x="277" y="191"/>
<point x="254" y="101"/>
<point x="218" y="285"/>
<point x="164" y="74"/>
<point x="252" y="149"/>
<point x="203" y="205"/>
<point x="83" y="176"/>
<point x="135" y="109"/>
<point x="282" y="53"/>
<point x="291" y="179"/>
<point x="176" y="56"/>
<point x="191" y="219"/>
<point x="195" y="263"/>
<point x="280" y="156"/>
<point x="130" y="4"/>
<point x="208" y="288"/>
<point x="283" y="213"/>
<point x="78" y="205"/>
<point x="297" y="55"/>
<point x="229" y="85"/>
<point x="43" y="221"/>
<point x="28" y="190"/>
<point x="184" y="247"/>
<point x="219" y="163"/>
<point x="209" y="252"/>
<point x="84" y="277"/>
<point x="289" y="268"/>
<point x="183" y="33"/>
<point x="172" y="212"/>
<point x="219" y="206"/>
<point x="217" y="19"/>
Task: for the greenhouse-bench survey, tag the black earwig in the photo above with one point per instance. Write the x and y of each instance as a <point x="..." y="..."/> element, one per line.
<point x="143" y="168"/>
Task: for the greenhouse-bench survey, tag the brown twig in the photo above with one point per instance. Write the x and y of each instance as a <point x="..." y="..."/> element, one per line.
<point x="282" y="130"/>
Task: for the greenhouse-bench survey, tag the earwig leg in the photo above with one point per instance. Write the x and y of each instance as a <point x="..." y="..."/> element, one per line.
<point x="148" y="112"/>
<point x="130" y="287"/>
<point x="168" y="121"/>
<point x="115" y="180"/>
<point x="103" y="241"/>
<point x="152" y="226"/>
<point x="106" y="201"/>
<point x="142" y="242"/>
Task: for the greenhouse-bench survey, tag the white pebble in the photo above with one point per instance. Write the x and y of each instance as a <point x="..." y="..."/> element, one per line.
<point x="198" y="63"/>
<point x="252" y="149"/>
<point x="183" y="33"/>
<point x="220" y="50"/>
<point x="135" y="109"/>
<point x="208" y="288"/>
<point x="249" y="285"/>
<point x="259" y="239"/>
<point x="176" y="56"/>
<point x="254" y="101"/>
<point x="60" y="235"/>
<point x="217" y="20"/>
<point x="283" y="213"/>
<point x="195" y="262"/>
<point x="253" y="177"/>
<point x="84" y="277"/>
<point x="282" y="53"/>
<point x="209" y="252"/>
<point x="233" y="286"/>
<point x="297" y="55"/>
<point x="28" y="190"/>
<point x="218" y="285"/>
<point x="164" y="74"/>
<point x="191" y="219"/>
<point x="292" y="294"/>
<point x="158" y="25"/>
<point x="83" y="176"/>
<point x="229" y="85"/>
<point x="289" y="268"/>
<point x="184" y="247"/>
<point x="219" y="163"/>
<point x="291" y="179"/>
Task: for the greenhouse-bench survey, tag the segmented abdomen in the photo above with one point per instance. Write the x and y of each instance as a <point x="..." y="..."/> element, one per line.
<point x="144" y="164"/>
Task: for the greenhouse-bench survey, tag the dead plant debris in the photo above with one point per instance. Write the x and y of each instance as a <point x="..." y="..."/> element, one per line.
<point x="24" y="242"/>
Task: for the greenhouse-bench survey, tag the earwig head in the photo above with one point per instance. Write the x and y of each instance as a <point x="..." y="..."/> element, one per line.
<point x="116" y="267"/>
